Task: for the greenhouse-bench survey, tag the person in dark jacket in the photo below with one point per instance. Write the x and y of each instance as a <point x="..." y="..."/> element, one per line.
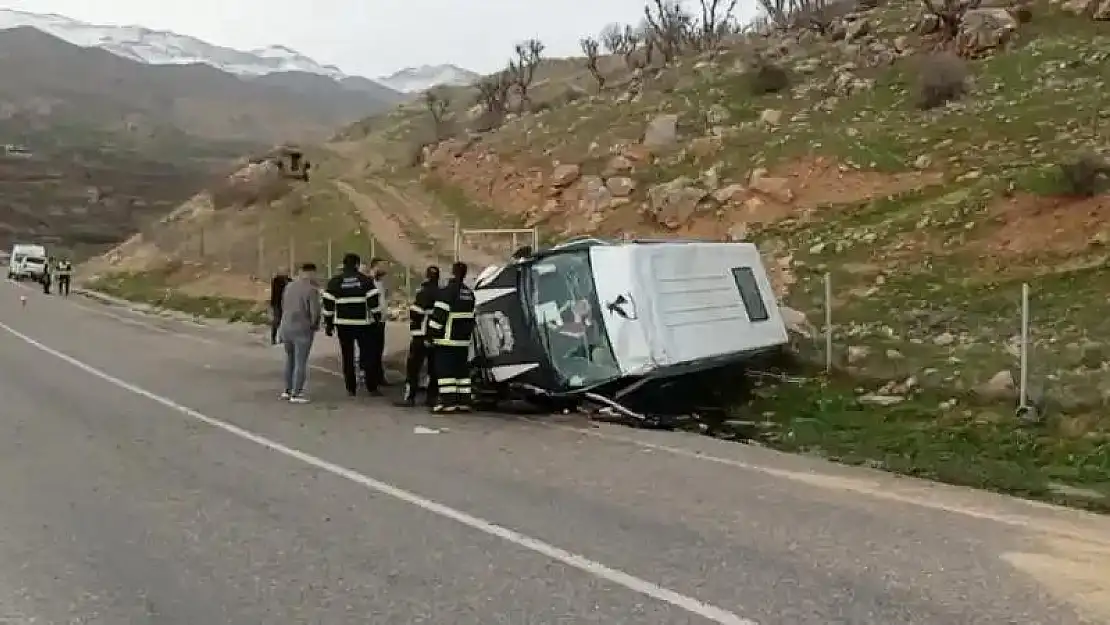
<point x="420" y="351"/>
<point x="450" y="328"/>
<point x="352" y="306"/>
<point x="277" y="289"/>
<point x="47" y="275"/>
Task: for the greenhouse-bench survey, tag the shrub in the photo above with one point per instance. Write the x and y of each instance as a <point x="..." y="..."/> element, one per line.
<point x="942" y="78"/>
<point x="1084" y="175"/>
<point x="766" y="77"/>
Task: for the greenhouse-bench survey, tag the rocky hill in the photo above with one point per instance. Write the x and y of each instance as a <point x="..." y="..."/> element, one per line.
<point x="922" y="160"/>
<point x="103" y="143"/>
<point x="930" y="173"/>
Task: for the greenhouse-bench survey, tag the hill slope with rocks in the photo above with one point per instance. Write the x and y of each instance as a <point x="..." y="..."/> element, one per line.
<point x="925" y="160"/>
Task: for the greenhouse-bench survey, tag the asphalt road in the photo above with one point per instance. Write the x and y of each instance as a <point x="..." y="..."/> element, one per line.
<point x="149" y="474"/>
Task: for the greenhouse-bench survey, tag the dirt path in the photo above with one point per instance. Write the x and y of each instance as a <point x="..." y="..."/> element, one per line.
<point x="386" y="231"/>
<point x="412" y="228"/>
<point x="436" y="225"/>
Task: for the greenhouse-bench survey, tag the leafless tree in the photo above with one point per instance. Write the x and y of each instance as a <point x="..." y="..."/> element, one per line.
<point x="437" y="105"/>
<point x="591" y="48"/>
<point x="776" y="11"/>
<point x="715" y="21"/>
<point x="522" y="68"/>
<point x="612" y="37"/>
<point x="788" y="14"/>
<point x="950" y="14"/>
<point x="670" y="25"/>
<point x="632" y="40"/>
<point x="493" y="91"/>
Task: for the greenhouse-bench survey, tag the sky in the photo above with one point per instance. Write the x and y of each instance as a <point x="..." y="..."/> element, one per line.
<point x="370" y="37"/>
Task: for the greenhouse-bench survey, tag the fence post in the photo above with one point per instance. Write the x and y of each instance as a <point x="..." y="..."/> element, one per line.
<point x="458" y="240"/>
<point x="408" y="282"/>
<point x="201" y="246"/>
<point x="373" y="248"/>
<point x="828" y="323"/>
<point x="292" y="255"/>
<point x="261" y="256"/>
<point x="329" y="257"/>
<point x="1023" y="384"/>
<point x="535" y="239"/>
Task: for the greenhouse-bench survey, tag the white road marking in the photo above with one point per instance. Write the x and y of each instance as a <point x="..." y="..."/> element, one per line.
<point x="690" y="604"/>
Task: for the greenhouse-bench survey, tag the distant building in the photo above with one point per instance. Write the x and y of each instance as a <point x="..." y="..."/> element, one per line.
<point x="17" y="151"/>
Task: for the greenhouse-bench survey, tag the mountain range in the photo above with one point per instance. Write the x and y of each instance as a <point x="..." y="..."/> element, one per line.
<point x="104" y="128"/>
<point x="159" y="47"/>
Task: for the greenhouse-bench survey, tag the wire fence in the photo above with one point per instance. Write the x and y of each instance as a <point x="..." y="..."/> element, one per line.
<point x="223" y="255"/>
<point x="1005" y="341"/>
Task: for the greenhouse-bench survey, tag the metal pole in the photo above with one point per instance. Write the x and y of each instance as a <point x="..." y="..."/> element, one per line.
<point x="828" y="323"/>
<point x="1023" y="392"/>
<point x="373" y="248"/>
<point x="201" y="250"/>
<point x="261" y="255"/>
<point x="329" y="257"/>
<point x="513" y="248"/>
<point x="292" y="255"/>
<point x="408" y="282"/>
<point x="535" y="239"/>
<point x="458" y="239"/>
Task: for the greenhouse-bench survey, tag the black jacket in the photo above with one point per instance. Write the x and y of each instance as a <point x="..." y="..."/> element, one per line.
<point x="352" y="298"/>
<point x="421" y="309"/>
<point x="277" y="289"/>
<point x="452" y="320"/>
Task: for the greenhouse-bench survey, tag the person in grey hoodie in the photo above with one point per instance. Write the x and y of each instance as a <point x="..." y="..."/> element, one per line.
<point x="300" y="319"/>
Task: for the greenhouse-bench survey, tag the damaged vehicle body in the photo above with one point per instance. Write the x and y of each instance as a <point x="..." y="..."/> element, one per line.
<point x="644" y="330"/>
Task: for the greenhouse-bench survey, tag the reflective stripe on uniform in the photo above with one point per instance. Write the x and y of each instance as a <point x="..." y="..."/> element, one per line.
<point x="350" y="300"/>
<point x="450" y="343"/>
<point x="444" y="306"/>
<point x="450" y="321"/>
<point x="352" y="322"/>
<point x="435" y="325"/>
<point x="446" y="385"/>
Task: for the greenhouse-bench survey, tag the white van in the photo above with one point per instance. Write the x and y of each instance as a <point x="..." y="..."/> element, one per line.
<point x="611" y="321"/>
<point x="27" y="262"/>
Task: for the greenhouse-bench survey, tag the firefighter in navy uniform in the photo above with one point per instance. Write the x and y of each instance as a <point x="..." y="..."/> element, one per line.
<point x="449" y="330"/>
<point x="420" y="351"/>
<point x="64" y="271"/>
<point x="351" y="306"/>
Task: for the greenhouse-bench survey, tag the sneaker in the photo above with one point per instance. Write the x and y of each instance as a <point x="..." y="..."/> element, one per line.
<point x="285" y="395"/>
<point x="298" y="399"/>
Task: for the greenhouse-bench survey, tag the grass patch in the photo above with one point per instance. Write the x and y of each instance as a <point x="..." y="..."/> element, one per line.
<point x="981" y="447"/>
<point x="152" y="288"/>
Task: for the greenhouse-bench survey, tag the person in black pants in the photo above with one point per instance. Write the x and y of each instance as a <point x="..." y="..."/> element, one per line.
<point x="277" y="289"/>
<point x="420" y="350"/>
<point x="351" y="307"/>
<point x="377" y="272"/>
<point x="450" y="327"/>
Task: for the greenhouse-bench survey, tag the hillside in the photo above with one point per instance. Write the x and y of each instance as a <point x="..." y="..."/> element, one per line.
<point x="928" y="173"/>
<point x="116" y="142"/>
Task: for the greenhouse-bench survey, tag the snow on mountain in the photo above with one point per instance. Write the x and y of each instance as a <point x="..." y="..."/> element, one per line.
<point x="413" y="79"/>
<point x="158" y="47"/>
